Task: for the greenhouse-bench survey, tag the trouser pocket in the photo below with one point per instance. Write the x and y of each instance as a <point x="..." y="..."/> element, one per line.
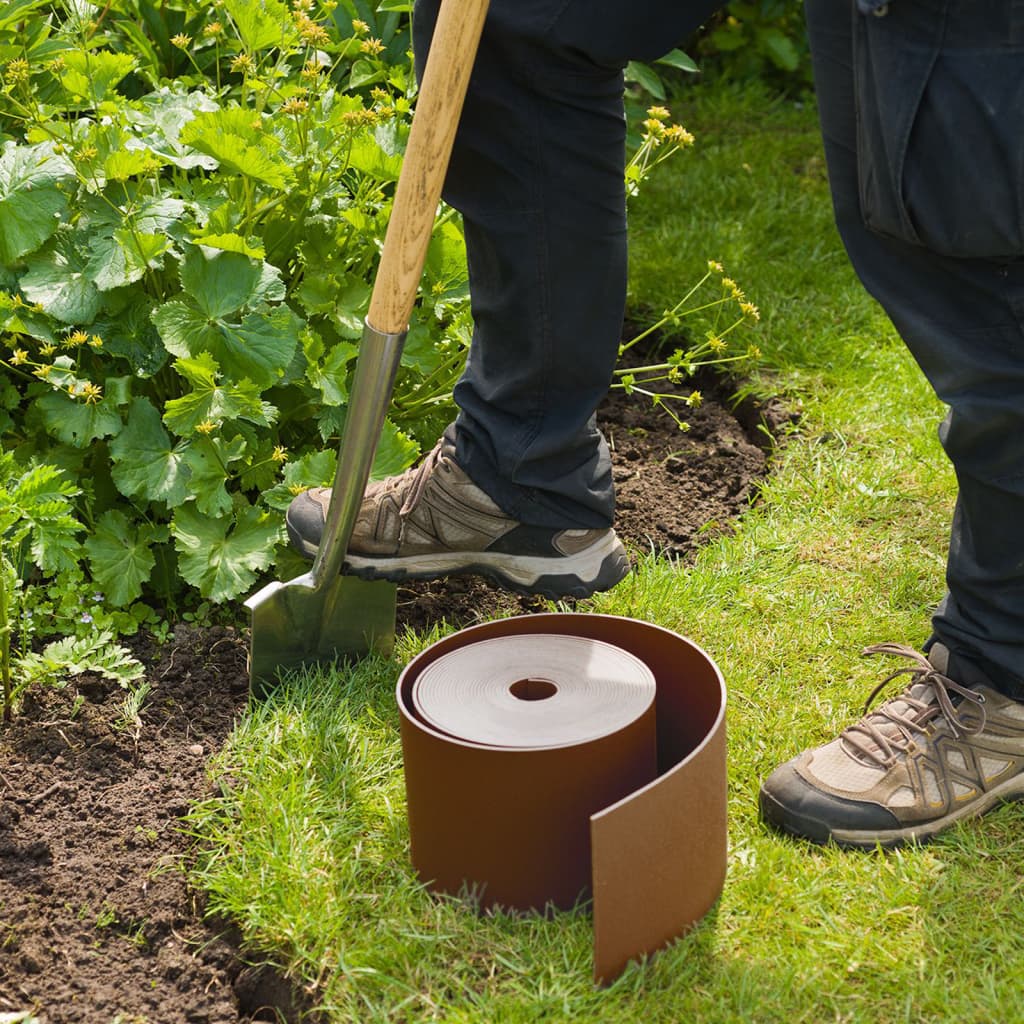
<point x="940" y="132"/>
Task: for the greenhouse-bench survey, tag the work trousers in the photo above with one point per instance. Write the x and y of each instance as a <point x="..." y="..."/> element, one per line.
<point x="922" y="112"/>
<point x="537" y="173"/>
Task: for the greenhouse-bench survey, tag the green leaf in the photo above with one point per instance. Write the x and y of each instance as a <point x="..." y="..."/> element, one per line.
<point x="32" y="206"/>
<point x="315" y="469"/>
<point x="223" y="282"/>
<point x="133" y="254"/>
<point x="37" y="504"/>
<point x="208" y="459"/>
<point x="16" y="11"/>
<point x="220" y="556"/>
<point x="344" y="300"/>
<point x="259" y="467"/>
<point x="230" y="138"/>
<point x="120" y="558"/>
<point x="76" y="422"/>
<point x="72" y="656"/>
<point x="367" y="155"/>
<point x="396" y="451"/>
<point x="365" y="73"/>
<point x="145" y="464"/>
<point x="123" y="164"/>
<point x="680" y="60"/>
<point x="229" y="242"/>
<point x="212" y="401"/>
<point x="258" y="348"/>
<point x="780" y="48"/>
<point x="125" y="242"/>
<point x="646" y="77"/>
<point x="130" y="333"/>
<point x="57" y="279"/>
<point x="158" y="120"/>
<point x="92" y="74"/>
<point x="261" y="23"/>
<point x="330" y="375"/>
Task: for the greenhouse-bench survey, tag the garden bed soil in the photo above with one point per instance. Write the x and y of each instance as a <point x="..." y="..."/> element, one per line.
<point x="97" y="921"/>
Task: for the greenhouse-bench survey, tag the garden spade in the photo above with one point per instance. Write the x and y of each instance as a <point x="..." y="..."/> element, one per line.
<point x="322" y="616"/>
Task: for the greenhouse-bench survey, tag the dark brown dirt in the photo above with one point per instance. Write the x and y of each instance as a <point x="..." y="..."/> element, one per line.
<point x="97" y="921"/>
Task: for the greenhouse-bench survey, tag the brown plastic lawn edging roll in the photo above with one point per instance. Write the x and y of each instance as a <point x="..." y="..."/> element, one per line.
<point x="555" y="757"/>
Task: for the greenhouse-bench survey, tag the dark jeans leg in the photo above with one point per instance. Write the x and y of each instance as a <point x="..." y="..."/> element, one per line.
<point x="962" y="316"/>
<point x="537" y="173"/>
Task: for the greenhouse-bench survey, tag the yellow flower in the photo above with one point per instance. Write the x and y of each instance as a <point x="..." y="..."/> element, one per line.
<point x="18" y="70"/>
<point x="296" y="489"/>
<point x="694" y="399"/>
<point x="280" y="454"/>
<point x="654" y="127"/>
<point x="95" y="341"/>
<point x="360" y="27"/>
<point x="181" y="41"/>
<point x="678" y="134"/>
<point x="75" y="339"/>
<point x="92" y="393"/>
<point x="312" y="32"/>
<point x="715" y="266"/>
<point x="47" y="350"/>
<point x="732" y="287"/>
<point x="372" y="47"/>
<point x="296" y="105"/>
<point x="206" y="427"/>
<point x="661" y="113"/>
<point x="749" y="309"/>
<point x="86" y="152"/>
<point x="42" y="371"/>
<point x="357" y="118"/>
<point x="215" y="28"/>
<point x="716" y="344"/>
<point x="311" y="69"/>
<point x="20" y="356"/>
<point x="244" y="64"/>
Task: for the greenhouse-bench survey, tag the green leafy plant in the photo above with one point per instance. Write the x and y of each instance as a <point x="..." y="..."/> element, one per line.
<point x="759" y="39"/>
<point x="192" y="204"/>
<point x="704" y="318"/>
<point x="191" y="207"/>
<point x="37" y="523"/>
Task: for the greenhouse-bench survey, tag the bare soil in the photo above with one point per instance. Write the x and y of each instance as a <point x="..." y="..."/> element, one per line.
<point x="97" y="921"/>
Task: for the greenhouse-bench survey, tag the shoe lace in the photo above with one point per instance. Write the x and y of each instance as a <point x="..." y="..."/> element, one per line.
<point x="420" y="476"/>
<point x="881" y="735"/>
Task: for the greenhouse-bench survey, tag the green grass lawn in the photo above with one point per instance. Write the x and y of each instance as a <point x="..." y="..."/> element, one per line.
<point x="844" y="547"/>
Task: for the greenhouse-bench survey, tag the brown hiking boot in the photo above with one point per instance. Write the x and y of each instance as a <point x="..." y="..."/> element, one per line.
<point x="936" y="754"/>
<point x="433" y="521"/>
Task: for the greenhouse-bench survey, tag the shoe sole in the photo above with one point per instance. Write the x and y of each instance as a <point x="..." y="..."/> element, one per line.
<point x="817" y="831"/>
<point x="594" y="569"/>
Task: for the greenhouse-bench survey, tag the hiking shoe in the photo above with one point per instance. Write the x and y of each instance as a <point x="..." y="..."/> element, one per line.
<point x="936" y="754"/>
<point x="433" y="521"/>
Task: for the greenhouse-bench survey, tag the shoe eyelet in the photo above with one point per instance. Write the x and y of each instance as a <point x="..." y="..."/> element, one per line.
<point x="881" y="12"/>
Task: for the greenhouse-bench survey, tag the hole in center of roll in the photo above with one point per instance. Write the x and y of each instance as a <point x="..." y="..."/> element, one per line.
<point x="533" y="689"/>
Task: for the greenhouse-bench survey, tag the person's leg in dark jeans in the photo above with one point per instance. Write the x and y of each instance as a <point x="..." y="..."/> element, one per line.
<point x="922" y="112"/>
<point x="538" y="174"/>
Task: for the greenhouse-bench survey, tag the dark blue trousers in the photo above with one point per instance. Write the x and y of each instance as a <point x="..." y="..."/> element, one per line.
<point x="537" y="173"/>
<point x="922" y="111"/>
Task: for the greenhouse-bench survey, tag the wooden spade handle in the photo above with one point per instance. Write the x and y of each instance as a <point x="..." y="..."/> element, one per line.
<point x="434" y="123"/>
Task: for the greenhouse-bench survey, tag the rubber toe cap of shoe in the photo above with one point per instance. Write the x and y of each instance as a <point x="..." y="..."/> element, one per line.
<point x="790" y="803"/>
<point x="305" y="521"/>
